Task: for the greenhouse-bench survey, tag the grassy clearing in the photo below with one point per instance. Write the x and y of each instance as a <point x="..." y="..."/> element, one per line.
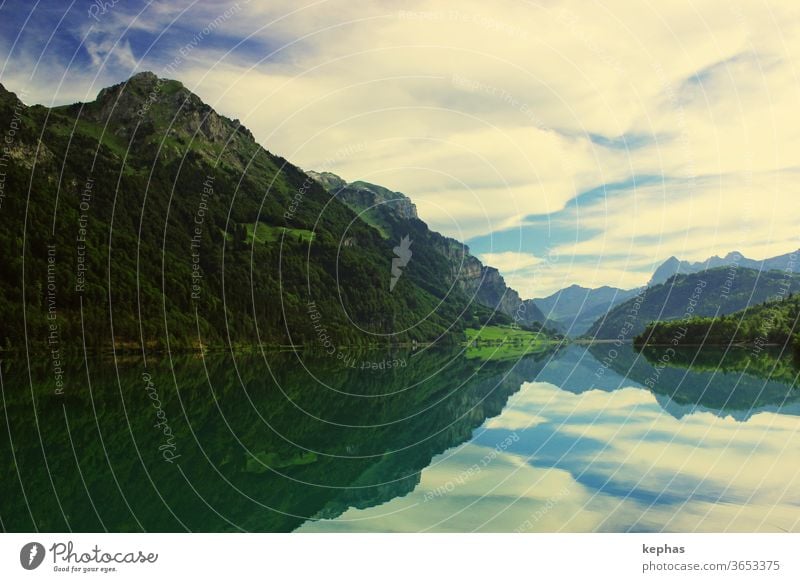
<point x="504" y="342"/>
<point x="263" y="233"/>
<point x="373" y="221"/>
<point x="66" y="127"/>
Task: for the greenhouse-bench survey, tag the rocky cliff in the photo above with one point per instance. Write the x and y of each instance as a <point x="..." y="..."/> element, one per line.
<point x="395" y="216"/>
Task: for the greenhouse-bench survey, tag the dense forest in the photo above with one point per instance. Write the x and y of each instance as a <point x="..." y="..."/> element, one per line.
<point x="772" y="322"/>
<point x="146" y="218"/>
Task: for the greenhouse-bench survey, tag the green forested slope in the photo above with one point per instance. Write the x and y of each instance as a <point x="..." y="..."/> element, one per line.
<point x="713" y="292"/>
<point x="146" y="216"/>
<point x="394" y="216"/>
<point x="771" y="322"/>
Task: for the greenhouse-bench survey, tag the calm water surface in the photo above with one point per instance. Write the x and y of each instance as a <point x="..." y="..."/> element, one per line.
<point x="577" y="439"/>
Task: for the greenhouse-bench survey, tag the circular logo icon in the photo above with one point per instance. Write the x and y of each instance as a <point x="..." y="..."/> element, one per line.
<point x="31" y="555"/>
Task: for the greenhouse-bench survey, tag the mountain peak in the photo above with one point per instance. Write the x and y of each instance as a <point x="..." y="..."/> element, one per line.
<point x="144" y="76"/>
<point x="364" y="196"/>
<point x="144" y="90"/>
<point x="163" y="112"/>
<point x="328" y="180"/>
<point x="7" y="96"/>
<point x="672" y="266"/>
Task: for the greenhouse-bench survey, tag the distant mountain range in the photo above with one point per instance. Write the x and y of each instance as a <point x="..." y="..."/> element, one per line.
<point x="713" y="292"/>
<point x="575" y="308"/>
<point x="672" y="266"/>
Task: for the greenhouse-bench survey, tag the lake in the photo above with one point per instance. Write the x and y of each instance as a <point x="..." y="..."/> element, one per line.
<point x="580" y="438"/>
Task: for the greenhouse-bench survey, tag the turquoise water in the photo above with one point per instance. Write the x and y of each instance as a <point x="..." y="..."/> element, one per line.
<point x="577" y="439"/>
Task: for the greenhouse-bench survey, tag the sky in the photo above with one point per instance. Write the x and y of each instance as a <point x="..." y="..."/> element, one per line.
<point x="564" y="141"/>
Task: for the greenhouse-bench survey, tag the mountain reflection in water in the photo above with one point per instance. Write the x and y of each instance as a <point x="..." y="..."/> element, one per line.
<point x="567" y="440"/>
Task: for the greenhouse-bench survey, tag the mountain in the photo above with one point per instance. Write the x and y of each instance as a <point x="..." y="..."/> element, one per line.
<point x="575" y="308"/>
<point x="713" y="292"/>
<point x="672" y="266"/>
<point x="145" y="218"/>
<point x="394" y="216"/>
<point x="669" y="268"/>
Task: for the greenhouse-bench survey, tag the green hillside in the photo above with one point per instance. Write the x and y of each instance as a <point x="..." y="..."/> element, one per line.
<point x="394" y="216"/>
<point x="144" y="217"/>
<point x="773" y="322"/>
<point x="708" y="293"/>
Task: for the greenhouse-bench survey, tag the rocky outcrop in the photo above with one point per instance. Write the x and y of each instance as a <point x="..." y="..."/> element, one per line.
<point x="145" y="101"/>
<point x="391" y="212"/>
<point x="363" y="196"/>
<point x="330" y="181"/>
<point x="490" y="289"/>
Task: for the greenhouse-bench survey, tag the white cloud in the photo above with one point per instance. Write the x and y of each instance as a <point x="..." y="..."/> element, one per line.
<point x="483" y="113"/>
<point x="510" y="262"/>
<point x="118" y="52"/>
